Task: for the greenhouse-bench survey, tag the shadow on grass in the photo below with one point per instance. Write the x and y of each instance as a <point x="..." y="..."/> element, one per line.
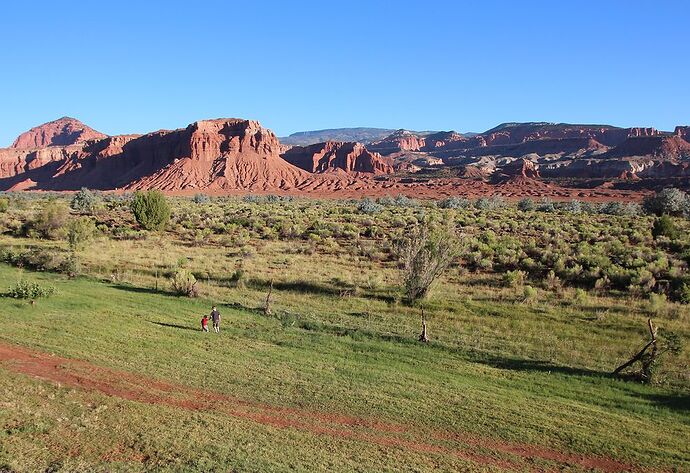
<point x="141" y="290"/>
<point x="517" y="364"/>
<point x="337" y="290"/>
<point x="177" y="326"/>
<point x="675" y="402"/>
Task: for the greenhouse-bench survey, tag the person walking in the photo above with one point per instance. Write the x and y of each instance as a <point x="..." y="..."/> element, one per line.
<point x="215" y="317"/>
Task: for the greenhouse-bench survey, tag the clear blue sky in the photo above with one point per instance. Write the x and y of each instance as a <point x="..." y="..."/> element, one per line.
<point x="140" y="66"/>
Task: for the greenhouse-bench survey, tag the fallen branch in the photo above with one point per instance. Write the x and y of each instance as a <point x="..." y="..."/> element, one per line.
<point x="647" y="360"/>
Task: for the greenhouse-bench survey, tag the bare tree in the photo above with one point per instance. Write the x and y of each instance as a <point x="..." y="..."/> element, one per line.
<point x="424" y="253"/>
<point x="649" y="355"/>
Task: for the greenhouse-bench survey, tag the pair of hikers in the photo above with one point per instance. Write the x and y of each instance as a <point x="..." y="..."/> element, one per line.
<point x="215" y="317"/>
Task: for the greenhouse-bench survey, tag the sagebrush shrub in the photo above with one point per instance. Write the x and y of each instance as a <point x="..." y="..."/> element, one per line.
<point x="668" y="201"/>
<point x="514" y="278"/>
<point x="84" y="201"/>
<point x="368" y="206"/>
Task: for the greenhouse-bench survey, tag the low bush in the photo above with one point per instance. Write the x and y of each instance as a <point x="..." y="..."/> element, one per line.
<point x="514" y="278"/>
<point x="454" y="203"/>
<point x="664" y="226"/>
<point x="50" y="222"/>
<point x="530" y="294"/>
<point x="84" y="201"/>
<point x="29" y="290"/>
<point x="368" y="206"/>
<point x="184" y="283"/>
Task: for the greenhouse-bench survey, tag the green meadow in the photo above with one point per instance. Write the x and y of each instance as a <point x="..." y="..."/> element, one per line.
<point x="333" y="378"/>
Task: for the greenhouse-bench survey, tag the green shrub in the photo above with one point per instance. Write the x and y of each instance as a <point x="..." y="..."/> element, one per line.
<point x="580" y="296"/>
<point x="514" y="278"/>
<point x="80" y="231"/>
<point x="552" y="282"/>
<point x="530" y="294"/>
<point x="238" y="278"/>
<point x="29" y="290"/>
<point x="664" y="226"/>
<point x="684" y="293"/>
<point x="4" y="204"/>
<point x="151" y="209"/>
<point x="546" y="205"/>
<point x="454" y="203"/>
<point x="526" y="204"/>
<point x="184" y="283"/>
<point x="51" y="220"/>
<point x="84" y="201"/>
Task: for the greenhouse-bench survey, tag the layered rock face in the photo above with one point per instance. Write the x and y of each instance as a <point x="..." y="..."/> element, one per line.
<point x="514" y="133"/>
<point x="61" y="132"/>
<point x="209" y="154"/>
<point x="521" y="168"/>
<point x="337" y="155"/>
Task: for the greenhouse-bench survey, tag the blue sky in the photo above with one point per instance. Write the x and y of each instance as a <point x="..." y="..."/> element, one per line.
<point x="140" y="66"/>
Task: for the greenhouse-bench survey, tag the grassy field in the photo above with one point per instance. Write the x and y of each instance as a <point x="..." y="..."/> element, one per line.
<point x="334" y="379"/>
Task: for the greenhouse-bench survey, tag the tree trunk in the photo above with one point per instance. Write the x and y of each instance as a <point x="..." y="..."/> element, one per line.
<point x="267" y="306"/>
<point x="423" y="337"/>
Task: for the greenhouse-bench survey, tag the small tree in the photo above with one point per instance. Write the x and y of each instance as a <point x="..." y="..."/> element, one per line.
<point x="50" y="222"/>
<point x="84" y="201"/>
<point x="649" y="356"/>
<point x="424" y="253"/>
<point x="80" y="231"/>
<point x="151" y="209"/>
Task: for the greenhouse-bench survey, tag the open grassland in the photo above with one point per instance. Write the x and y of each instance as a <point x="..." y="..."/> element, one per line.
<point x="334" y="379"/>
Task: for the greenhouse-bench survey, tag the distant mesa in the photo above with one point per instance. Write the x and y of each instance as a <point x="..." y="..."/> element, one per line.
<point x="64" y="131"/>
<point x="229" y="155"/>
<point x="359" y="135"/>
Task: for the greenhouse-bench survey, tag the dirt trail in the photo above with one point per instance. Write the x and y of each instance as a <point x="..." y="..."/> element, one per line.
<point x="505" y="455"/>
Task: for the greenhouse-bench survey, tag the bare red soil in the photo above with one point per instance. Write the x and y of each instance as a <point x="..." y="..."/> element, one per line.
<point x="137" y="388"/>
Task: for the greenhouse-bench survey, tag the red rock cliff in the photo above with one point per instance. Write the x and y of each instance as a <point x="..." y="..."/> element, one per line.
<point x="333" y="155"/>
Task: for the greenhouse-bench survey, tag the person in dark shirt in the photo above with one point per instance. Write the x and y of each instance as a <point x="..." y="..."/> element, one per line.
<point x="215" y="317"/>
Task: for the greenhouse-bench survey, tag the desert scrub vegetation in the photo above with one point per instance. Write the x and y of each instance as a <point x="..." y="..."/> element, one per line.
<point x="335" y="257"/>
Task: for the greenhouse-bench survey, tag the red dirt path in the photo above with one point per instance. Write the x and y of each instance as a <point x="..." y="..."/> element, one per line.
<point x="506" y="455"/>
